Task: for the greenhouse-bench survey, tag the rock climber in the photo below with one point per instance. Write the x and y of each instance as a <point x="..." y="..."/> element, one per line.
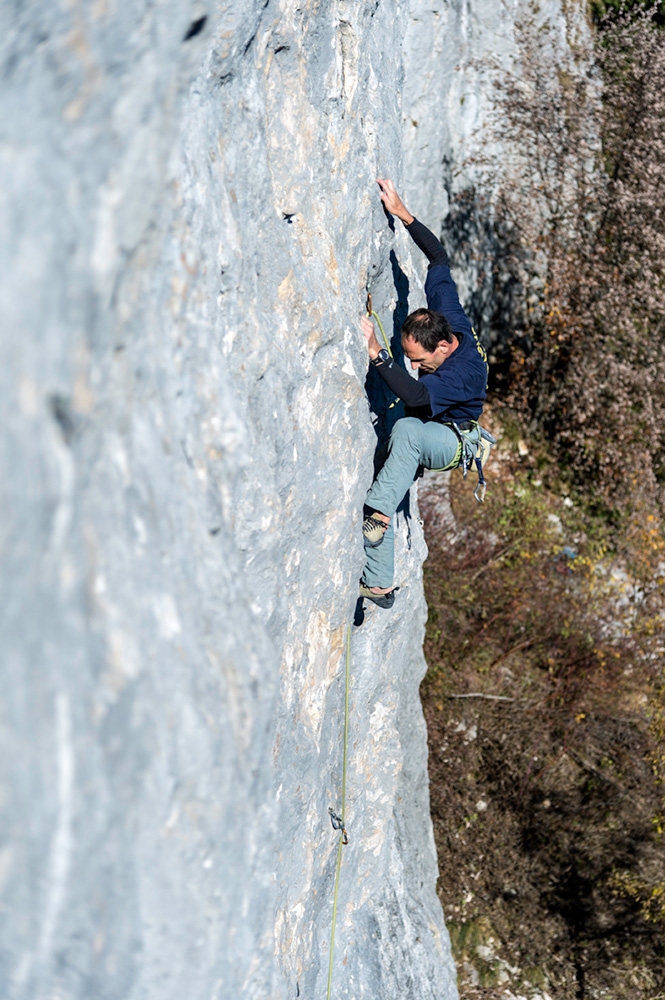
<point x="442" y="405"/>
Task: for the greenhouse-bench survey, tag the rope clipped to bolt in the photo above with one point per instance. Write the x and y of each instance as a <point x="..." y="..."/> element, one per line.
<point x="373" y="315"/>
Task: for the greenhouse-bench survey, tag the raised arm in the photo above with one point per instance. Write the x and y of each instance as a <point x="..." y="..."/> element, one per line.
<point x="440" y="289"/>
<point x="421" y="235"/>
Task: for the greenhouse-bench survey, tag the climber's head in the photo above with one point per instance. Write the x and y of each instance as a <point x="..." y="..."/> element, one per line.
<point x="427" y="339"/>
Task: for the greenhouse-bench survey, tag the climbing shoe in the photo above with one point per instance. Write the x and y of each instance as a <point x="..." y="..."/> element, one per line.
<point x="373" y="531"/>
<point x="382" y="600"/>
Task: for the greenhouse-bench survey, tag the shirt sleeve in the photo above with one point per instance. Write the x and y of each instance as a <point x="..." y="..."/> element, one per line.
<point x="442" y="297"/>
<point x="440" y="289"/>
<point x="410" y="390"/>
<point x="426" y="241"/>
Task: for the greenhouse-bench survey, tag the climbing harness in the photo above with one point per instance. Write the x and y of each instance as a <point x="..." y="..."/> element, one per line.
<point x="468" y="451"/>
<point x="338" y="821"/>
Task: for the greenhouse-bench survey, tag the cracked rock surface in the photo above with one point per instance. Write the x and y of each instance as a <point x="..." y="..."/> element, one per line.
<point x="190" y="225"/>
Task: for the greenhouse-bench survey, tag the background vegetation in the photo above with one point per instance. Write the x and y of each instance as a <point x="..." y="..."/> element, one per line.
<point x="580" y="225"/>
<point x="545" y="698"/>
<point x="602" y="9"/>
<point x="546" y="733"/>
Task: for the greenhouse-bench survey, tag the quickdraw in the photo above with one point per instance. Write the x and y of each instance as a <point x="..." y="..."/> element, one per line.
<point x="338" y="824"/>
<point x="463" y="457"/>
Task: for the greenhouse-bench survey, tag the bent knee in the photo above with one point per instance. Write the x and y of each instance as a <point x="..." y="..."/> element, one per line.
<point x="407" y="429"/>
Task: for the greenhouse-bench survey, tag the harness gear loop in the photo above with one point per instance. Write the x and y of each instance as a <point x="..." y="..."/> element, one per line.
<point x="464" y="457"/>
<point x="465" y="453"/>
<point x="334" y="818"/>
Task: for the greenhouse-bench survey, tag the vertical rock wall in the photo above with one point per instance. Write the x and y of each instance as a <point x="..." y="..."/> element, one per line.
<point x="190" y="222"/>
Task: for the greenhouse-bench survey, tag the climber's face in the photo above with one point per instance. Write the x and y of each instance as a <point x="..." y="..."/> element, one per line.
<point x="427" y="361"/>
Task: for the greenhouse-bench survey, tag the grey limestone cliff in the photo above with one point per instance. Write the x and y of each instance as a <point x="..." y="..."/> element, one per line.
<point x="190" y="223"/>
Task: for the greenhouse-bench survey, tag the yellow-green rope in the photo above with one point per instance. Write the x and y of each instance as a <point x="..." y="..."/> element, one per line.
<point x="383" y="333"/>
<point x="370" y="312"/>
<point x="342" y="832"/>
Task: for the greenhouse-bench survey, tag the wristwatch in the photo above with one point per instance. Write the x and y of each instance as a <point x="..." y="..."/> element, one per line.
<point x="381" y="357"/>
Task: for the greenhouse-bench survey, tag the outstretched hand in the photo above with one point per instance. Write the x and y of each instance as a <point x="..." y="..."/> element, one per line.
<point x="392" y="201"/>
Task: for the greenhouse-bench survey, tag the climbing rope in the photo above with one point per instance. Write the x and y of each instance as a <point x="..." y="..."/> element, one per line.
<point x="373" y="315"/>
<point x="338" y="821"/>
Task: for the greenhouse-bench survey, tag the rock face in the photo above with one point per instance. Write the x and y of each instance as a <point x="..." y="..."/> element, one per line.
<point x="190" y="225"/>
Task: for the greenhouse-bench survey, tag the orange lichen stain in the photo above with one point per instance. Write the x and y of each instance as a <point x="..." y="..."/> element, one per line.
<point x="178" y="292"/>
<point x="191" y="268"/>
<point x="338" y="641"/>
<point x="77" y="41"/>
<point x="285" y="289"/>
<point x="82" y="398"/>
<point x="332" y="268"/>
<point x="341" y="149"/>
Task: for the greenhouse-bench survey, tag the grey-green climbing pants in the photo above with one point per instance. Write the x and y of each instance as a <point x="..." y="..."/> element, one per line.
<point x="413" y="442"/>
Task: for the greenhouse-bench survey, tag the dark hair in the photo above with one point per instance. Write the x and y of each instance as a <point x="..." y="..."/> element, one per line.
<point x="427" y="328"/>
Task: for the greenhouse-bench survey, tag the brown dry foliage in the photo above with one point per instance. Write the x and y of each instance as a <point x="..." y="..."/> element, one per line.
<point x="546" y="804"/>
<point x="548" y="808"/>
<point x="581" y="222"/>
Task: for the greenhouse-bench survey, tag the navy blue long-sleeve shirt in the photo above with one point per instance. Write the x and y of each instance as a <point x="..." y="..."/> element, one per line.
<point x="456" y="390"/>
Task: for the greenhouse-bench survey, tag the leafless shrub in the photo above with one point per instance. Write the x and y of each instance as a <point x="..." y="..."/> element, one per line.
<point x="581" y="214"/>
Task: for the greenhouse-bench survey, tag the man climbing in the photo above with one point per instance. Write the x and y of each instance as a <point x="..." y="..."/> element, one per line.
<point x="442" y="405"/>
